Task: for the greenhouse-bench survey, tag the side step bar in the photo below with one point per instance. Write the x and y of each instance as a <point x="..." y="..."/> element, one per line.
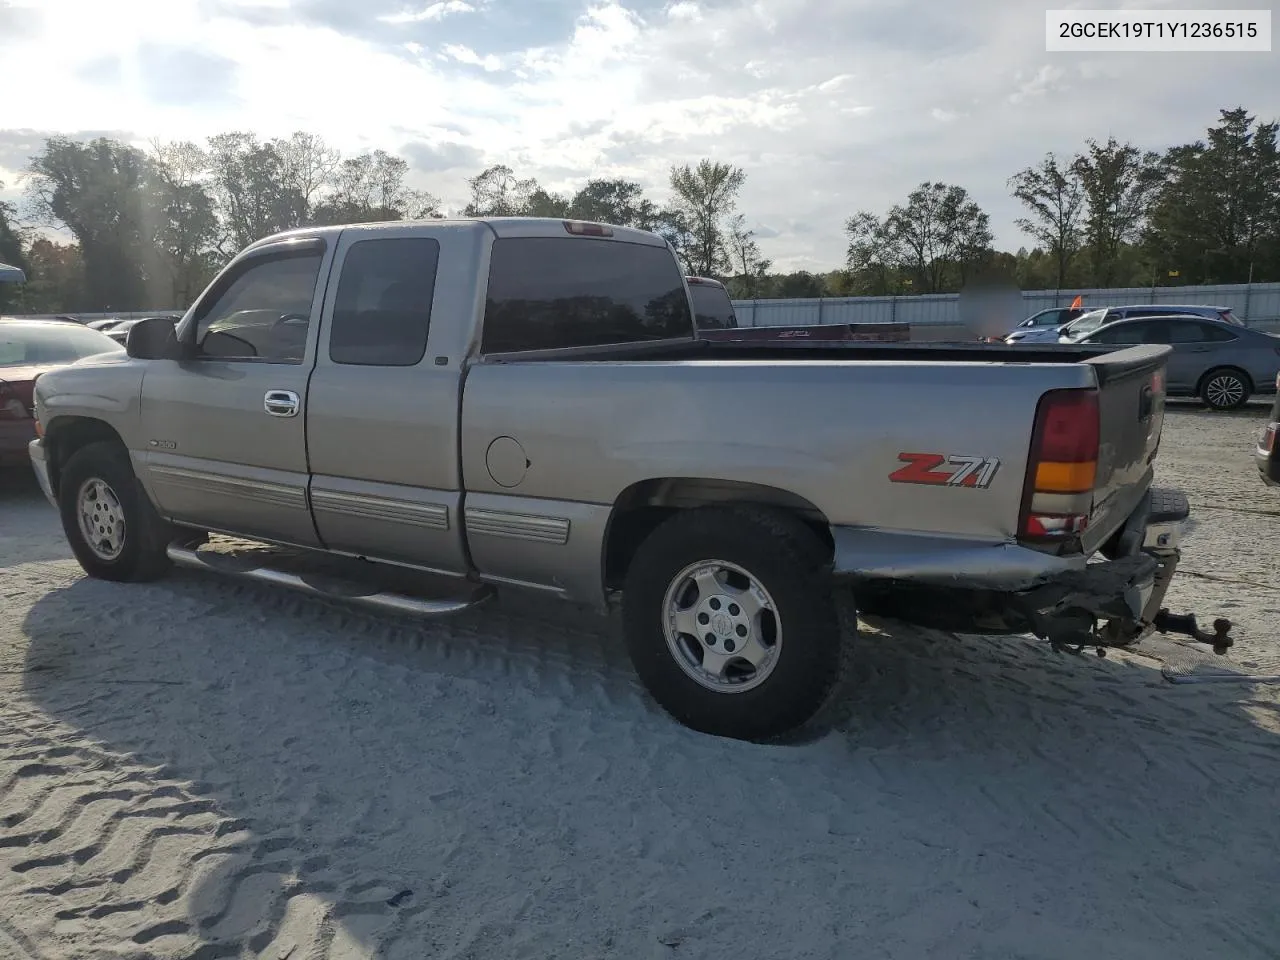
<point x="347" y="591"/>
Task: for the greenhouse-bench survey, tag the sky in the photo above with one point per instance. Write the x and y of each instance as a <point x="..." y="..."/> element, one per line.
<point x="829" y="106"/>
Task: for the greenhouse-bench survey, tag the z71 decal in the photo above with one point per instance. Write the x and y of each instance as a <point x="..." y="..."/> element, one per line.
<point x="942" y="470"/>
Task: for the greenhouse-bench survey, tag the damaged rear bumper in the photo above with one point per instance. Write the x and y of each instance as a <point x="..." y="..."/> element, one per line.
<point x="1009" y="588"/>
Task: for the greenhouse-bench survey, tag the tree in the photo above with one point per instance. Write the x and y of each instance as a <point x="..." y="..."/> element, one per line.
<point x="872" y="258"/>
<point x="1118" y="180"/>
<point x="1216" y="215"/>
<point x="370" y="187"/>
<point x="99" y="190"/>
<point x="185" y="224"/>
<point x="496" y="192"/>
<point x="706" y="195"/>
<point x="1054" y="196"/>
<point x="749" y="267"/>
<point x="249" y="184"/>
<point x="55" y="281"/>
<point x="543" y="204"/>
<point x="10" y="253"/>
<point x="802" y="283"/>
<point x="619" y="202"/>
<point x="308" y="167"/>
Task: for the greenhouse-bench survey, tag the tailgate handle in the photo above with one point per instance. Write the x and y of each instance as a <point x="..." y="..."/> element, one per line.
<point x="1146" y="403"/>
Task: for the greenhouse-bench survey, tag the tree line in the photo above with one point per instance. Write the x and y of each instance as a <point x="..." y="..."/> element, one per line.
<point x="152" y="226"/>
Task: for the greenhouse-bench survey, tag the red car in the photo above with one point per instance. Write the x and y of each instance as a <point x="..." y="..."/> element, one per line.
<point x="29" y="348"/>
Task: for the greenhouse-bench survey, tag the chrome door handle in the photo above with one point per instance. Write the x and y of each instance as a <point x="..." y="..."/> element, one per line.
<point x="281" y="403"/>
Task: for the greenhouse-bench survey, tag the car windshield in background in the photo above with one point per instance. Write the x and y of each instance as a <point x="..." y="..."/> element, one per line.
<point x="29" y="344"/>
<point x="1085" y="324"/>
<point x="712" y="308"/>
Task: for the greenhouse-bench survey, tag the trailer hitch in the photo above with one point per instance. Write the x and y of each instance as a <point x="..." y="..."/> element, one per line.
<point x="1185" y="623"/>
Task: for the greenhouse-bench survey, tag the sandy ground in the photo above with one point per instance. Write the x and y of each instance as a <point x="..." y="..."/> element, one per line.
<point x="202" y="769"/>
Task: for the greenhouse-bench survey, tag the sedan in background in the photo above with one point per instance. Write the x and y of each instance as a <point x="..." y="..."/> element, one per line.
<point x="29" y="348"/>
<point x="1043" y="325"/>
<point x="1086" y="323"/>
<point x="1222" y="364"/>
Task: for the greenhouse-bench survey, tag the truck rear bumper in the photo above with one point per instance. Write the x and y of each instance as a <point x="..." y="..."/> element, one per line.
<point x="997" y="588"/>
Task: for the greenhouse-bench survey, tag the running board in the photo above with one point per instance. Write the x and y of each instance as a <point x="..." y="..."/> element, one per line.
<point x="331" y="588"/>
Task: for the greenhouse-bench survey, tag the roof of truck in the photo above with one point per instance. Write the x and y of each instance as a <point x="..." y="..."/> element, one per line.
<point x="501" y="227"/>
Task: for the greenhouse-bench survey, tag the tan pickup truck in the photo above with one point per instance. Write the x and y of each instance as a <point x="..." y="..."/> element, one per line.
<point x="525" y="403"/>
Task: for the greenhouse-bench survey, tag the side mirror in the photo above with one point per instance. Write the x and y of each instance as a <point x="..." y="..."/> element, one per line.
<point x="152" y="339"/>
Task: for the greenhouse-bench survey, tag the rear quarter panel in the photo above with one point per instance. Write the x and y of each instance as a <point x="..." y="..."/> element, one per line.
<point x="828" y="432"/>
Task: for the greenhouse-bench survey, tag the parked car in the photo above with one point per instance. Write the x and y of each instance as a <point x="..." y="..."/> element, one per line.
<point x="1093" y="319"/>
<point x="105" y="324"/>
<point x="527" y="404"/>
<point x="1267" y="455"/>
<point x="1222" y="364"/>
<point x="29" y="348"/>
<point x="1052" y="318"/>
<point x="119" y="332"/>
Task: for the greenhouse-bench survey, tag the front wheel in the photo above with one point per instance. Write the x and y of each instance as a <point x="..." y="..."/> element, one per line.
<point x="731" y="623"/>
<point x="1225" y="390"/>
<point x="110" y="524"/>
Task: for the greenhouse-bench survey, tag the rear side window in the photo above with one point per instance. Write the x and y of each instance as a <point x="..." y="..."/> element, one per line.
<point x="1123" y="333"/>
<point x="382" y="310"/>
<point x="557" y="292"/>
<point x="712" y="308"/>
<point x="1192" y="331"/>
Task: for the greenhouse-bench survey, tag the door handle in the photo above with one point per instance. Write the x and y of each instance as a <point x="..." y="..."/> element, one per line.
<point x="281" y="403"/>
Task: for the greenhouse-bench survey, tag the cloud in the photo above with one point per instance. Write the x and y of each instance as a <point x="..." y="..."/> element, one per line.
<point x="431" y="12"/>
<point x="431" y="157"/>
<point x="829" y="107"/>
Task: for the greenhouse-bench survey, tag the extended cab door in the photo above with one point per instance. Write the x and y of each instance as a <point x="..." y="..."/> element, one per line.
<point x="382" y="423"/>
<point x="226" y="444"/>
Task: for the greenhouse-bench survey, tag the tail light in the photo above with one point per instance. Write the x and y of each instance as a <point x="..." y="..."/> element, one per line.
<point x="1063" y="466"/>
<point x="1267" y="444"/>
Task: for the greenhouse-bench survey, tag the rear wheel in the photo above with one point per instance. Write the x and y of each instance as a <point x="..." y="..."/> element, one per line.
<point x="1224" y="389"/>
<point x="110" y="524"/>
<point x="731" y="622"/>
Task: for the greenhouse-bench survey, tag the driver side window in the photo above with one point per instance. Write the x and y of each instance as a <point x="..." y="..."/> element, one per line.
<point x="261" y="313"/>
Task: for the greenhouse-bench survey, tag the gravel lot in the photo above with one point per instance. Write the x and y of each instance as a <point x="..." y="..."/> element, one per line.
<point x="197" y="768"/>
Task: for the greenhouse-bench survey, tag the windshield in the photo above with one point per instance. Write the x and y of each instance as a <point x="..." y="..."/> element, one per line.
<point x="1085" y="324"/>
<point x="712" y="307"/>
<point x="27" y="345"/>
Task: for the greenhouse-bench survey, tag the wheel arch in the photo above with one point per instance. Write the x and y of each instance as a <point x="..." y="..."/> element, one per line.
<point x="640" y="508"/>
<point x="67" y="434"/>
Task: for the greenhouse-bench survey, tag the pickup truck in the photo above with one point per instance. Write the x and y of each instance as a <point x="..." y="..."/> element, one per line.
<point x="526" y="404"/>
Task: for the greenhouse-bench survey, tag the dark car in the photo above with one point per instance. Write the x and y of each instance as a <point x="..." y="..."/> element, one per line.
<point x="1220" y="363"/>
<point x="29" y="348"/>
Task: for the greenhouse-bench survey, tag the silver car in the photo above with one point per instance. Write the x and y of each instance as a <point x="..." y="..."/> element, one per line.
<point x="1085" y="323"/>
<point x="1221" y="363"/>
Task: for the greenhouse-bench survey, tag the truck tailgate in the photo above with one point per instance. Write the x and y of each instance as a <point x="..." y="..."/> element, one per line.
<point x="1131" y="402"/>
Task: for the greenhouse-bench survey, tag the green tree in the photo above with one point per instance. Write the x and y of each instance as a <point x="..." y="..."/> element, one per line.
<point x="1216" y="216"/>
<point x="371" y="187"/>
<point x="706" y="196"/>
<point x="1054" y="196"/>
<point x="618" y="202"/>
<point x="56" y="281"/>
<point x="11" y="294"/>
<point x="1118" y="181"/>
<point x="100" y="192"/>
<point x="250" y="187"/>
<point x="497" y="192"/>
<point x="184" y="224"/>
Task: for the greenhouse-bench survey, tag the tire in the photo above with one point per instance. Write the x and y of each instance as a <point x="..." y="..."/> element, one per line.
<point x="799" y="625"/>
<point x="1225" y="389"/>
<point x="129" y="551"/>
